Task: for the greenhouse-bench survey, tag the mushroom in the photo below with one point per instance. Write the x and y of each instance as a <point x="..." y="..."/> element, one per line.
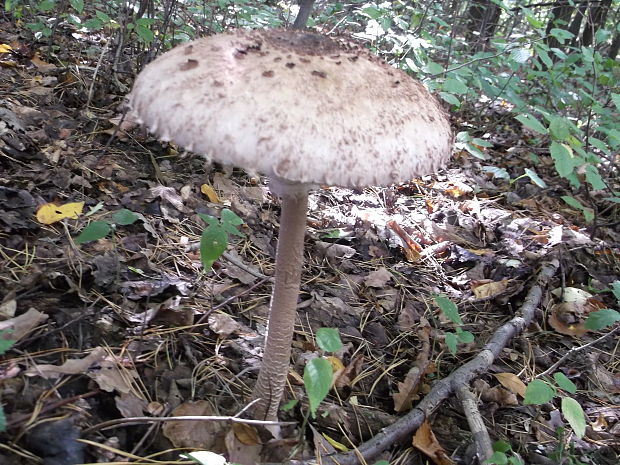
<point x="303" y="109"/>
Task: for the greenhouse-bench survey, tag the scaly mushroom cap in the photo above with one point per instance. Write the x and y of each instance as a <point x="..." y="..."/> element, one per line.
<point x="300" y="106"/>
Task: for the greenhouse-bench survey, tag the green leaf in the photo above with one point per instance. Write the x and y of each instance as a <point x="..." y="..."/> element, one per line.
<point x="103" y="16"/>
<point x="594" y="178"/>
<point x="450" y="98"/>
<point x="230" y="221"/>
<point x="451" y="342"/>
<point x="616" y="99"/>
<point x="372" y="12"/>
<point x="144" y="33"/>
<point x="5" y="344"/>
<point x="520" y="55"/>
<point x="317" y="382"/>
<point x="464" y="337"/>
<point x="559" y="128"/>
<point x="289" y="405"/>
<point x="210" y="220"/>
<point x="124" y="217"/>
<point x="448" y="308"/>
<point x="564" y="383"/>
<point x="433" y="68"/>
<point x="535" y="178"/>
<point x="532" y="123"/>
<point x="497" y="458"/>
<point x="565" y="160"/>
<point x="94" y="231"/>
<point x="213" y="243"/>
<point x="77" y="5"/>
<point x="382" y="462"/>
<point x="538" y="392"/>
<point x="615" y="288"/>
<point x="2" y="419"/>
<point x="454" y="86"/>
<point x="561" y="34"/>
<point x="573" y="202"/>
<point x="328" y="339"/>
<point x="46" y="5"/>
<point x="501" y="446"/>
<point x="93" y="24"/>
<point x="573" y="413"/>
<point x="601" y="319"/>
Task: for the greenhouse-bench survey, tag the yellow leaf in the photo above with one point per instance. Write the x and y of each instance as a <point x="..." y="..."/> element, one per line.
<point x="335" y="444"/>
<point x="210" y="193"/>
<point x="51" y="213"/>
<point x="511" y="382"/>
<point x="335" y="363"/>
<point x="5" y="48"/>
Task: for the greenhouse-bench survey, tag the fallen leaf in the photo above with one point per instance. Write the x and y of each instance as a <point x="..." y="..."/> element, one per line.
<point x="199" y="434"/>
<point x="239" y="452"/>
<point x="207" y="190"/>
<point x="511" y="382"/>
<point x="246" y="434"/>
<point x="23" y="324"/>
<point x="425" y="441"/>
<point x="378" y="278"/>
<point x="50" y="213"/>
<point x="407" y="390"/>
<point x="489" y="290"/>
<point x="223" y="324"/>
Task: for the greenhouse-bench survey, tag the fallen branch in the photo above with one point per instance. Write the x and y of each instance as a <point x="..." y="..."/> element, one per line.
<point x="402" y="430"/>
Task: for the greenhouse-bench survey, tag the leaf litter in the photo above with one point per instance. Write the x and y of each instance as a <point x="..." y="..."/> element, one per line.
<point x="131" y="326"/>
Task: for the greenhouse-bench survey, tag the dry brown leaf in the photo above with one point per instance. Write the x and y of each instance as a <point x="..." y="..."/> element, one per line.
<point x="205" y="435"/>
<point x="378" y="278"/>
<point x="489" y="289"/>
<point x="407" y="390"/>
<point x="511" y="382"/>
<point x="563" y="318"/>
<point x="23" y="324"/>
<point x="238" y="452"/>
<point x="223" y="324"/>
<point x="425" y="441"/>
<point x="246" y="434"/>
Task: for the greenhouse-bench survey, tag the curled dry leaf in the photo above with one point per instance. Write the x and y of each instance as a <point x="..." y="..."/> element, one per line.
<point x="425" y="441"/>
<point x="223" y="324"/>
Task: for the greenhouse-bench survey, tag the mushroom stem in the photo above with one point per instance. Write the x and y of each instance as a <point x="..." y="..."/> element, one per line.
<point x="283" y="309"/>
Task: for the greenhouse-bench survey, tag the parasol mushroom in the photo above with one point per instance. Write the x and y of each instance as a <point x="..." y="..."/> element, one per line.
<point x="303" y="109"/>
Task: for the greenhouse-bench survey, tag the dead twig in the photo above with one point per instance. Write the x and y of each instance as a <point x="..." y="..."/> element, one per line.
<point x="401" y="430"/>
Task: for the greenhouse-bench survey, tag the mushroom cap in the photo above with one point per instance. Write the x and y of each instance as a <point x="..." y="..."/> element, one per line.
<point x="296" y="105"/>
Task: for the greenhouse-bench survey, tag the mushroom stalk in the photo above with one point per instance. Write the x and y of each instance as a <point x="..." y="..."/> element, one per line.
<point x="283" y="308"/>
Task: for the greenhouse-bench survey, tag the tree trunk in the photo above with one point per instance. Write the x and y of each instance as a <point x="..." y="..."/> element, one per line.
<point x="483" y="16"/>
<point x="596" y="19"/>
<point x="560" y="18"/>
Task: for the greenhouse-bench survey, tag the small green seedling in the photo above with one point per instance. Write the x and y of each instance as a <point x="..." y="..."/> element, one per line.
<point x="503" y="455"/>
<point x="451" y="312"/>
<point x="540" y="392"/>
<point x="99" y="229"/>
<point x="318" y="373"/>
<point x="214" y="238"/>
<point x="606" y="317"/>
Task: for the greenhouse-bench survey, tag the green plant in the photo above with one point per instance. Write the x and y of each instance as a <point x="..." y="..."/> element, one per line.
<point x="214" y="238"/>
<point x="5" y="345"/>
<point x="449" y="309"/>
<point x="605" y="317"/>
<point x="503" y="455"/>
<point x="99" y="229"/>
<point x="318" y="372"/>
<point x="541" y="391"/>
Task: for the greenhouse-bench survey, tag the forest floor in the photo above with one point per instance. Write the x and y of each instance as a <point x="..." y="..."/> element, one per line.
<point x="132" y="326"/>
